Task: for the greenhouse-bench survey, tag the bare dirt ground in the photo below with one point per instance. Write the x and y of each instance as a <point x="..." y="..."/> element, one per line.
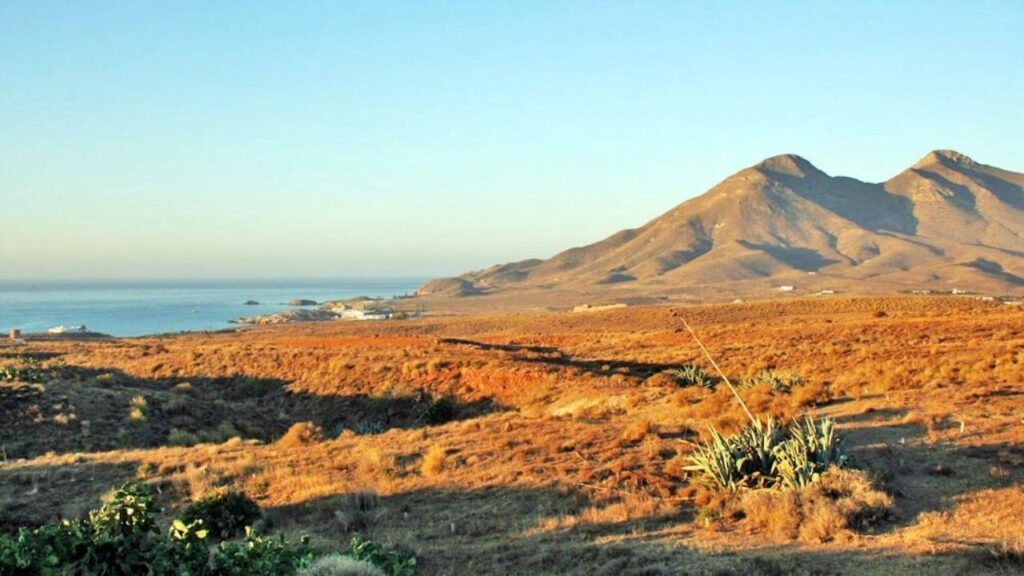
<point x="566" y="446"/>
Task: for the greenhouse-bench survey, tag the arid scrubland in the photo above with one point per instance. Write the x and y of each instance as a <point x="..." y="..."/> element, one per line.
<point x="553" y="443"/>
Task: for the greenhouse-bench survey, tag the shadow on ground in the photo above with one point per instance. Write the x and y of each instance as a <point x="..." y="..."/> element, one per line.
<point x="85" y="409"/>
<point x="512" y="530"/>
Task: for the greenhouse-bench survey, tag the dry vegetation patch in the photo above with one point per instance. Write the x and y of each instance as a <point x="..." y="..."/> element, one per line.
<point x="557" y="443"/>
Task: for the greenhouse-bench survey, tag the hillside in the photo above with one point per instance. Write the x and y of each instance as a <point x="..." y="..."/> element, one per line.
<point x="566" y="445"/>
<point x="946" y="222"/>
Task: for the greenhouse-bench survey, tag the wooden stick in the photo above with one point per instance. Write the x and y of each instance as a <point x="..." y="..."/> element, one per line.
<point x="719" y="370"/>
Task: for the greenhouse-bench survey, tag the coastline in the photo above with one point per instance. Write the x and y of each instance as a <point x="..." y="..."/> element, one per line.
<point x="150" y="308"/>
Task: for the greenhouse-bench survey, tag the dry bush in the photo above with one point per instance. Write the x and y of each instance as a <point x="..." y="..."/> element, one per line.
<point x="433" y="461"/>
<point x="811" y="394"/>
<point x="841" y="500"/>
<point x="676" y="467"/>
<point x="356" y="510"/>
<point x="301" y="434"/>
<point x="629" y="506"/>
<point x="637" y="430"/>
<point x="859" y="501"/>
<point x="137" y="412"/>
<point x="821" y="520"/>
<point x="597" y="411"/>
<point x="375" y="462"/>
<point x="660" y="380"/>
<point x="776" y="513"/>
<point x="199" y="481"/>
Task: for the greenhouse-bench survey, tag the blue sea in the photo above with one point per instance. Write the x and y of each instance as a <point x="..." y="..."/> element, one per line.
<point x="136" y="308"/>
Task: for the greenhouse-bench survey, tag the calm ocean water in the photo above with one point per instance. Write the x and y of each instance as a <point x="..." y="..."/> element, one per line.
<point x="150" y="307"/>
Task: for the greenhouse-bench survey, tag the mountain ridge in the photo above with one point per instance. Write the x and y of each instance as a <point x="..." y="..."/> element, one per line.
<point x="945" y="222"/>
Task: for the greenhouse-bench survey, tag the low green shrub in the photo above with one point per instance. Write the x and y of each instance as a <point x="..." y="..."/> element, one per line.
<point x="179" y="437"/>
<point x="440" y="411"/>
<point x="225" y="516"/>
<point x="222" y="433"/>
<point x="392" y="562"/>
<point x="339" y="565"/>
<point x="30" y="371"/>
<point x="121" y="539"/>
<point x="257" y="555"/>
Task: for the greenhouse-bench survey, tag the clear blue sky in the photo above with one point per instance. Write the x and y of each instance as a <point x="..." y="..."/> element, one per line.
<point x="220" y="139"/>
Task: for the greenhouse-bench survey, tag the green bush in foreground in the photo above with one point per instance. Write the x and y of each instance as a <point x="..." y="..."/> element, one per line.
<point x="393" y="563"/>
<point x="30" y="372"/>
<point x="121" y="539"/>
<point x="764" y="455"/>
<point x="225" y="516"/>
<point x="339" y="565"/>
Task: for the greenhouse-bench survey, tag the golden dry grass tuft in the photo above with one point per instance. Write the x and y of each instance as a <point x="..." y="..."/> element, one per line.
<point x="302" y="434"/>
<point x="433" y="461"/>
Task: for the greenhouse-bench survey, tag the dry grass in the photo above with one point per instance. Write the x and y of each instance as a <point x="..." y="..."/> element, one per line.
<point x="571" y="452"/>
<point x="433" y="461"/>
<point x="637" y="430"/>
<point x="301" y="434"/>
<point x="842" y="500"/>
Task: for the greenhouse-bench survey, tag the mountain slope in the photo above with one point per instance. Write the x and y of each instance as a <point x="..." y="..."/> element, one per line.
<point x="945" y="222"/>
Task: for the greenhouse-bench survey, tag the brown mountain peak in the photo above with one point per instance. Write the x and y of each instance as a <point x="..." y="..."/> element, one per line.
<point x="774" y="222"/>
<point x="945" y="157"/>
<point x="788" y="164"/>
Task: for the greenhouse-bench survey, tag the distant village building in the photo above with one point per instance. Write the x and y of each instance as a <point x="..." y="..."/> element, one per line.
<point x="67" y="329"/>
<point x="785" y="288"/>
<point x="353" y="314"/>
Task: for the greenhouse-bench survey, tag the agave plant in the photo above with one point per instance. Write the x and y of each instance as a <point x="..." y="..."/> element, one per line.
<point x="693" y="375"/>
<point x="716" y="461"/>
<point x="763" y="455"/>
<point x="756" y="445"/>
<point x="811" y="449"/>
<point x="744" y="460"/>
<point x="780" y="381"/>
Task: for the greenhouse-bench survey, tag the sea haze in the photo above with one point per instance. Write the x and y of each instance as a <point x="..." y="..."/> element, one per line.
<point x="135" y="308"/>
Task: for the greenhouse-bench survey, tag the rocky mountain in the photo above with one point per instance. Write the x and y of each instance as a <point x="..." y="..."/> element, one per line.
<point x="946" y="222"/>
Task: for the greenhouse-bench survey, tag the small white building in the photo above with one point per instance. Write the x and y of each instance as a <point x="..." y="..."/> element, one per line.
<point x="353" y="314"/>
<point x="785" y="288"/>
<point x="67" y="329"/>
